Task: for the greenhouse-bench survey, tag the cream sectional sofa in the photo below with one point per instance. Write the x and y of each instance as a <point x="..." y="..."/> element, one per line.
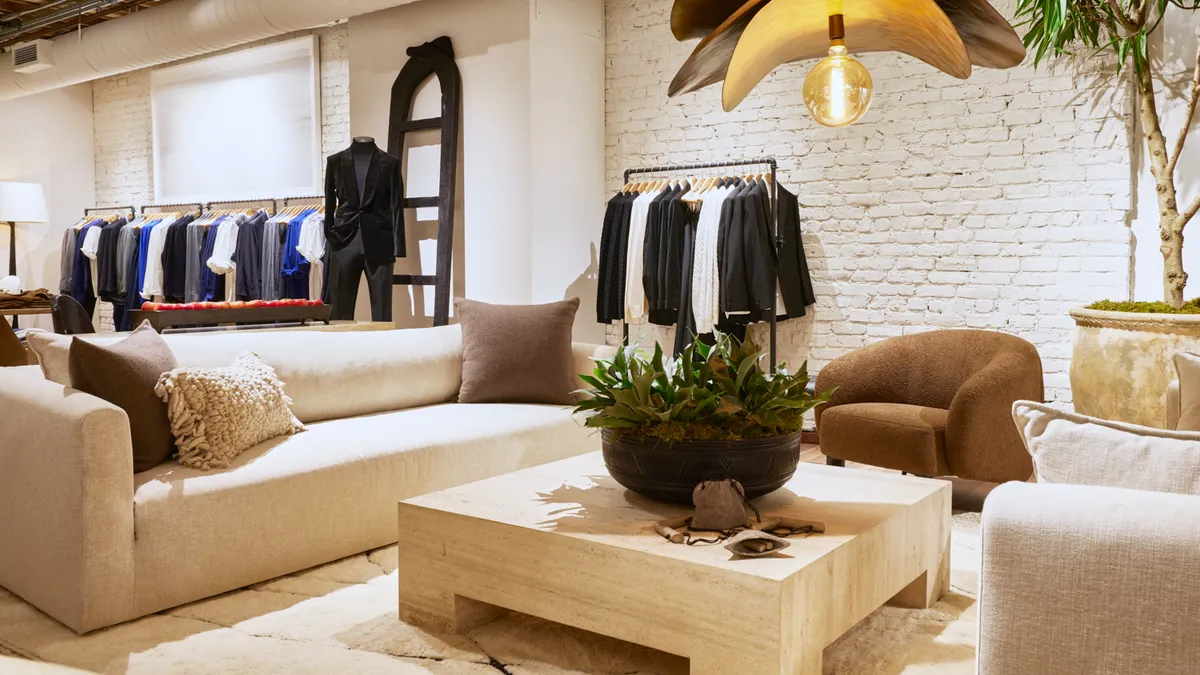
<point x="92" y="544"/>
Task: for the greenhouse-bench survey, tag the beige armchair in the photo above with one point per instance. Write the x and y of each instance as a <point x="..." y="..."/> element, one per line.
<point x="932" y="404"/>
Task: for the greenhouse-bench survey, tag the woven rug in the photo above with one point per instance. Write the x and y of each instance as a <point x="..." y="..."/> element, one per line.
<point x="341" y="618"/>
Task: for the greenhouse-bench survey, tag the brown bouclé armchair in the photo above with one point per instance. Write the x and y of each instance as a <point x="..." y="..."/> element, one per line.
<point x="932" y="404"/>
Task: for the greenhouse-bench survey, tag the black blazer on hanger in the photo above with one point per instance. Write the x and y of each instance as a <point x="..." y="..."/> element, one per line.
<point x="380" y="213"/>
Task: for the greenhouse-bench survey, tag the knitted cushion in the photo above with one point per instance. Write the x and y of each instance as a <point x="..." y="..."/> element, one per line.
<point x="218" y="413"/>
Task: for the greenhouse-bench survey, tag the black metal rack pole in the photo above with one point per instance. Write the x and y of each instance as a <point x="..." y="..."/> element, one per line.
<point x="768" y="161"/>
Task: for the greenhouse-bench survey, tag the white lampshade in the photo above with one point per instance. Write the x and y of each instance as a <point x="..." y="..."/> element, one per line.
<point x="22" y="203"/>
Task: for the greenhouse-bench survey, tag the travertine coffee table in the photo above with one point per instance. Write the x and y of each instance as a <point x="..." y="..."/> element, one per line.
<point x="565" y="542"/>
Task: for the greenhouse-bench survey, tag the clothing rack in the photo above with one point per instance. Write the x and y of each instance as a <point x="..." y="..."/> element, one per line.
<point x="317" y="198"/>
<point x="161" y="207"/>
<point x="247" y="202"/>
<point x="774" y="218"/>
<point x="95" y="209"/>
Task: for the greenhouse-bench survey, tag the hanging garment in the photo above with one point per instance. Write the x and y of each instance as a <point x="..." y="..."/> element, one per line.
<point x="212" y="285"/>
<point x="152" y="283"/>
<point x="635" y="291"/>
<point x="705" y="273"/>
<point x="81" y="274"/>
<point x="127" y="242"/>
<point x="346" y="267"/>
<point x="133" y="299"/>
<point x="685" y="322"/>
<point x="312" y="248"/>
<point x="272" y="259"/>
<point x="66" y="269"/>
<point x="197" y="232"/>
<point x="610" y="293"/>
<point x="174" y="260"/>
<point x="663" y="256"/>
<point x="372" y="204"/>
<point x="795" y="284"/>
<point x="747" y="256"/>
<point x="248" y="257"/>
<point x="295" y="267"/>
<point x="143" y="257"/>
<point x="106" y="259"/>
<point x="223" y="249"/>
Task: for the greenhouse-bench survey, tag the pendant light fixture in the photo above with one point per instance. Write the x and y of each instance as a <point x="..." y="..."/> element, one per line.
<point x="837" y="90"/>
<point x="744" y="40"/>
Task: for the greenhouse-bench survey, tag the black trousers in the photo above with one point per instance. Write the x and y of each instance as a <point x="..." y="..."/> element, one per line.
<point x="346" y="268"/>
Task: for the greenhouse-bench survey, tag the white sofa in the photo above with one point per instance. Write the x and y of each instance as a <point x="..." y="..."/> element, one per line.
<point x="1086" y="580"/>
<point x="92" y="544"/>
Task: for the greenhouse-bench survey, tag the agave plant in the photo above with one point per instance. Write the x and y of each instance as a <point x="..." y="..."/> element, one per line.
<point x="709" y="392"/>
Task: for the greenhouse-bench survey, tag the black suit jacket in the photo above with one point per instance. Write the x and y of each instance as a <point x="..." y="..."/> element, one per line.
<point x="379" y="215"/>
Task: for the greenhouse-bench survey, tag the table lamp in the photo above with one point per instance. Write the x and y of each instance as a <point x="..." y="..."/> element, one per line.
<point x="20" y="203"/>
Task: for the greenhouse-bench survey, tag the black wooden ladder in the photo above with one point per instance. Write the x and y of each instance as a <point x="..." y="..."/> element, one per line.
<point x="425" y="61"/>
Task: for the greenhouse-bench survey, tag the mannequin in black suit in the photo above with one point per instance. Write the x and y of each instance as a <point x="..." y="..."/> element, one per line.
<point x="364" y="225"/>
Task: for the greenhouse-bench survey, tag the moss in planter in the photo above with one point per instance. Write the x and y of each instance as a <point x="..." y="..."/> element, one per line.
<point x="1144" y="307"/>
<point x="731" y="429"/>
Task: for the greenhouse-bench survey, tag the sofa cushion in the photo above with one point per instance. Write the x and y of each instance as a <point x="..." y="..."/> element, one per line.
<point x="217" y="413"/>
<point x="298" y="501"/>
<point x="124" y="374"/>
<point x="1187" y="416"/>
<point x="517" y="353"/>
<point x="331" y="375"/>
<point x="891" y="435"/>
<point x="1081" y="450"/>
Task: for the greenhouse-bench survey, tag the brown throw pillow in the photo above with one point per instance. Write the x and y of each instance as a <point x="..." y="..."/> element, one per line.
<point x="124" y="374"/>
<point x="517" y="353"/>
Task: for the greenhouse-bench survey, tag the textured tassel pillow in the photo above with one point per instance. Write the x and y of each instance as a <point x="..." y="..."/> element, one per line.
<point x="218" y="413"/>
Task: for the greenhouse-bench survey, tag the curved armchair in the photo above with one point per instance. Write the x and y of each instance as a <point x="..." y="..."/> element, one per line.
<point x="932" y="404"/>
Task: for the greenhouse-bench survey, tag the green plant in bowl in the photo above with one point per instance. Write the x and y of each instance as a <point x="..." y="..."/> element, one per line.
<point x="709" y="392"/>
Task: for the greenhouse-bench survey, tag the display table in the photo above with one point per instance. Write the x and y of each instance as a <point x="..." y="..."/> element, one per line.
<point x="566" y="543"/>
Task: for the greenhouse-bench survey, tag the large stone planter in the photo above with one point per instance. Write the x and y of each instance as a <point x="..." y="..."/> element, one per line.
<point x="1121" y="364"/>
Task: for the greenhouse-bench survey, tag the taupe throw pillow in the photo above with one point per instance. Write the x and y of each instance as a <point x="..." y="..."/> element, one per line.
<point x="124" y="374"/>
<point x="53" y="354"/>
<point x="517" y="353"/>
<point x="218" y="413"/>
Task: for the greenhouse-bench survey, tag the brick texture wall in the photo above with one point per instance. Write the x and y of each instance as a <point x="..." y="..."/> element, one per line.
<point x="994" y="203"/>
<point x="123" y="131"/>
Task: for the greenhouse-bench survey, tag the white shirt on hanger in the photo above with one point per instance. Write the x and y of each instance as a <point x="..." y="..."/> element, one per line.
<point x="91" y="242"/>
<point x="706" y="276"/>
<point x="153" y="284"/>
<point x="225" y="246"/>
<point x="312" y="247"/>
<point x="635" y="289"/>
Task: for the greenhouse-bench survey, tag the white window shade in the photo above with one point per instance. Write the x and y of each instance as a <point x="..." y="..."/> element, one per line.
<point x="243" y="125"/>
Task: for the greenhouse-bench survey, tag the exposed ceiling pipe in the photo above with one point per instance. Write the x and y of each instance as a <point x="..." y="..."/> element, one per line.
<point x="80" y="9"/>
<point x="172" y="31"/>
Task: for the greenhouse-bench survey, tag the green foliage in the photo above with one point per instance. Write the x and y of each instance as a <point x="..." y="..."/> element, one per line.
<point x="1145" y="307"/>
<point x="710" y="392"/>
<point x="1057" y="26"/>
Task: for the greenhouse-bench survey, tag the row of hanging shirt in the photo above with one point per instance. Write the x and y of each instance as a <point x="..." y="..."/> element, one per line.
<point x="697" y="253"/>
<point x="194" y="257"/>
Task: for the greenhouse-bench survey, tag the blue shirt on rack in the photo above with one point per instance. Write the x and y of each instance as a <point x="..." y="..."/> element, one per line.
<point x="295" y="267"/>
<point x="81" y="276"/>
<point x="143" y="257"/>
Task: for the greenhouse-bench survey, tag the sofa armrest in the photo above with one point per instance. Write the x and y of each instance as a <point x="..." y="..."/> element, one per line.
<point x="1172" y="421"/>
<point x="1089" y="581"/>
<point x="982" y="443"/>
<point x="582" y="354"/>
<point x="66" y="502"/>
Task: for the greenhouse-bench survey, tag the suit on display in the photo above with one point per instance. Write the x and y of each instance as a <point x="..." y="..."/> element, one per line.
<point x="364" y="226"/>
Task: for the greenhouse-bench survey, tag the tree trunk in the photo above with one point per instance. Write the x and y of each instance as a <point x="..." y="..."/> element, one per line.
<point x="1170" y="224"/>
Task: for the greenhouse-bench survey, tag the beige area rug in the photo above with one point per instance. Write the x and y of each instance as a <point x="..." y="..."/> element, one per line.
<point x="341" y="618"/>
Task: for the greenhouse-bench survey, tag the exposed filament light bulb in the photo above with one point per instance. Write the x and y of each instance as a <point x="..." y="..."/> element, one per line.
<point x="837" y="91"/>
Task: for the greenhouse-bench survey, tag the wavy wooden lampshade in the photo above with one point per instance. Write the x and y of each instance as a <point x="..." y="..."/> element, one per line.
<point x="950" y="35"/>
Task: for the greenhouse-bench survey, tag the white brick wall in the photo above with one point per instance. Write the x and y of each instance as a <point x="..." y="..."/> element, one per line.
<point x="123" y="131"/>
<point x="995" y="203"/>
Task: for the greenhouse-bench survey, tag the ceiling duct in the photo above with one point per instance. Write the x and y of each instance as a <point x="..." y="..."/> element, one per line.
<point x="172" y="31"/>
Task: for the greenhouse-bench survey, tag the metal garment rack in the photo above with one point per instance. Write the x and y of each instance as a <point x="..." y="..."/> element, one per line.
<point x="774" y="218"/>
<point x="320" y="199"/>
<point x="96" y="209"/>
<point x="160" y="207"/>
<point x="247" y="202"/>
